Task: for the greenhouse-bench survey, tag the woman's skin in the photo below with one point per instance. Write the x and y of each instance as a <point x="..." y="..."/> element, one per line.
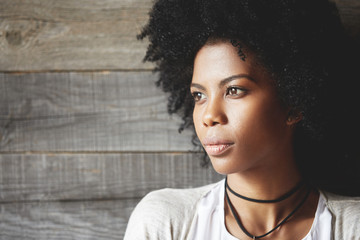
<point x="247" y="133"/>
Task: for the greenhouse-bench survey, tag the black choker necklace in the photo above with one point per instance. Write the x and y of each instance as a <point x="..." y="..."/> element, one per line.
<point x="283" y="197"/>
<point x="276" y="227"/>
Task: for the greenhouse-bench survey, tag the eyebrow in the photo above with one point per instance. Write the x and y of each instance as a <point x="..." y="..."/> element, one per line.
<point x="225" y="81"/>
<point x="231" y="78"/>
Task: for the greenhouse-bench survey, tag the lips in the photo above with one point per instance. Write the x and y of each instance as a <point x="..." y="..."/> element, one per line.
<point x="215" y="147"/>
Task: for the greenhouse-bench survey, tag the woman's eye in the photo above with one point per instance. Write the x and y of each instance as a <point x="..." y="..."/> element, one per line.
<point x="197" y="96"/>
<point x="234" y="91"/>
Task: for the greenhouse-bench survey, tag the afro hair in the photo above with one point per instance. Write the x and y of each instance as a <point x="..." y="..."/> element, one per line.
<point x="302" y="43"/>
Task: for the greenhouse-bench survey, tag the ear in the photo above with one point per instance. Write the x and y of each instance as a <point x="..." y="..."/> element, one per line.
<point x="294" y="116"/>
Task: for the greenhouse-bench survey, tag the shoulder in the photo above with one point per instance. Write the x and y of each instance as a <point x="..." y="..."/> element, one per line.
<point x="178" y="198"/>
<point x="165" y="213"/>
<point x="343" y="205"/>
<point x="346" y="214"/>
<point x="172" y="203"/>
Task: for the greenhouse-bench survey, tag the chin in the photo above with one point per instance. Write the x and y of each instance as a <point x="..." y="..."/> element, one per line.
<point x="229" y="165"/>
<point x="223" y="166"/>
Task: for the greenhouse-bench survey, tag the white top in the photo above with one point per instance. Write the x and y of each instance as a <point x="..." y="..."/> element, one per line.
<point x="209" y="220"/>
<point x="175" y="214"/>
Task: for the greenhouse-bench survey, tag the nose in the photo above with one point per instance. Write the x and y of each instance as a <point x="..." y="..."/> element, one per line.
<point x="214" y="114"/>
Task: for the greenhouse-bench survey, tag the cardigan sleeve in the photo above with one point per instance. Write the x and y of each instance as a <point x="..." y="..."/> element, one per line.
<point x="165" y="214"/>
<point x="346" y="216"/>
<point x="150" y="219"/>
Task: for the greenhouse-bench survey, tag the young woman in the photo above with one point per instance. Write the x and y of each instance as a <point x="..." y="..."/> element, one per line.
<point x="269" y="89"/>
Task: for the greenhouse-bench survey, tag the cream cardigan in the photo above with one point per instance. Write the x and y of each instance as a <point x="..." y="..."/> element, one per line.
<point x="168" y="214"/>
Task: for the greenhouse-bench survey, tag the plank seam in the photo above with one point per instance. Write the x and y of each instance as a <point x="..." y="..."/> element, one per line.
<point x="78" y="71"/>
<point x="70" y="200"/>
<point x="98" y="152"/>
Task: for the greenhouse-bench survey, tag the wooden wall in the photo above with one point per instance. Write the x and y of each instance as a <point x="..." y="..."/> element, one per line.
<point x="84" y="132"/>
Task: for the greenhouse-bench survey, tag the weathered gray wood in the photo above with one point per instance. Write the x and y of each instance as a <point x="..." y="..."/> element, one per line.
<point x="97" y="220"/>
<point x="25" y="177"/>
<point x="100" y="111"/>
<point x="88" y="34"/>
<point x="68" y="35"/>
<point x="349" y="11"/>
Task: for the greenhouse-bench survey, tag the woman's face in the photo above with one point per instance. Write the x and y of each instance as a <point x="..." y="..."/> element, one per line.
<point x="238" y="117"/>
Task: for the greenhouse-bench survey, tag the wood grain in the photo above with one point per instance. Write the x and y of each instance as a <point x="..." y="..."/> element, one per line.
<point x="88" y="35"/>
<point x="95" y="220"/>
<point x="96" y="111"/>
<point x="72" y="35"/>
<point x="43" y="177"/>
<point x="349" y="11"/>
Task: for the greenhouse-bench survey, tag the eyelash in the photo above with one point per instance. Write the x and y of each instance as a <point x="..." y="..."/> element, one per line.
<point x="198" y="96"/>
<point x="195" y="95"/>
<point x="242" y="91"/>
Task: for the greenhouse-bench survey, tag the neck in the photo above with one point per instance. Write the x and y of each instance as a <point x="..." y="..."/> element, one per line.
<point x="279" y="199"/>
<point x="268" y="182"/>
<point x="265" y="184"/>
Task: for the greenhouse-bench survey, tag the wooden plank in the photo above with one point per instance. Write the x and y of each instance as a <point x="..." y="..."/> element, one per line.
<point x="68" y="35"/>
<point x="349" y="11"/>
<point x="87" y="34"/>
<point x="33" y="177"/>
<point x="98" y="220"/>
<point x="96" y="111"/>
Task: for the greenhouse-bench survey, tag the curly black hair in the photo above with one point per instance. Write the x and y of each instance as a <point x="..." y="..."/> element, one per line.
<point x="302" y="43"/>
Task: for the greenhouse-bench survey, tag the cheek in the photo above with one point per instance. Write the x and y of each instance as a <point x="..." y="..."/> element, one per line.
<point x="259" y="124"/>
<point x="197" y="120"/>
<point x="274" y="117"/>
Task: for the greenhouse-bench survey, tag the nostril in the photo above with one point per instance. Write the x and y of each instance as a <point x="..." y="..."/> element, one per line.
<point x="209" y="121"/>
<point x="214" y="113"/>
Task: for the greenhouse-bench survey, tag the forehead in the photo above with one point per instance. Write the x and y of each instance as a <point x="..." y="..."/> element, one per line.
<point x="219" y="60"/>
